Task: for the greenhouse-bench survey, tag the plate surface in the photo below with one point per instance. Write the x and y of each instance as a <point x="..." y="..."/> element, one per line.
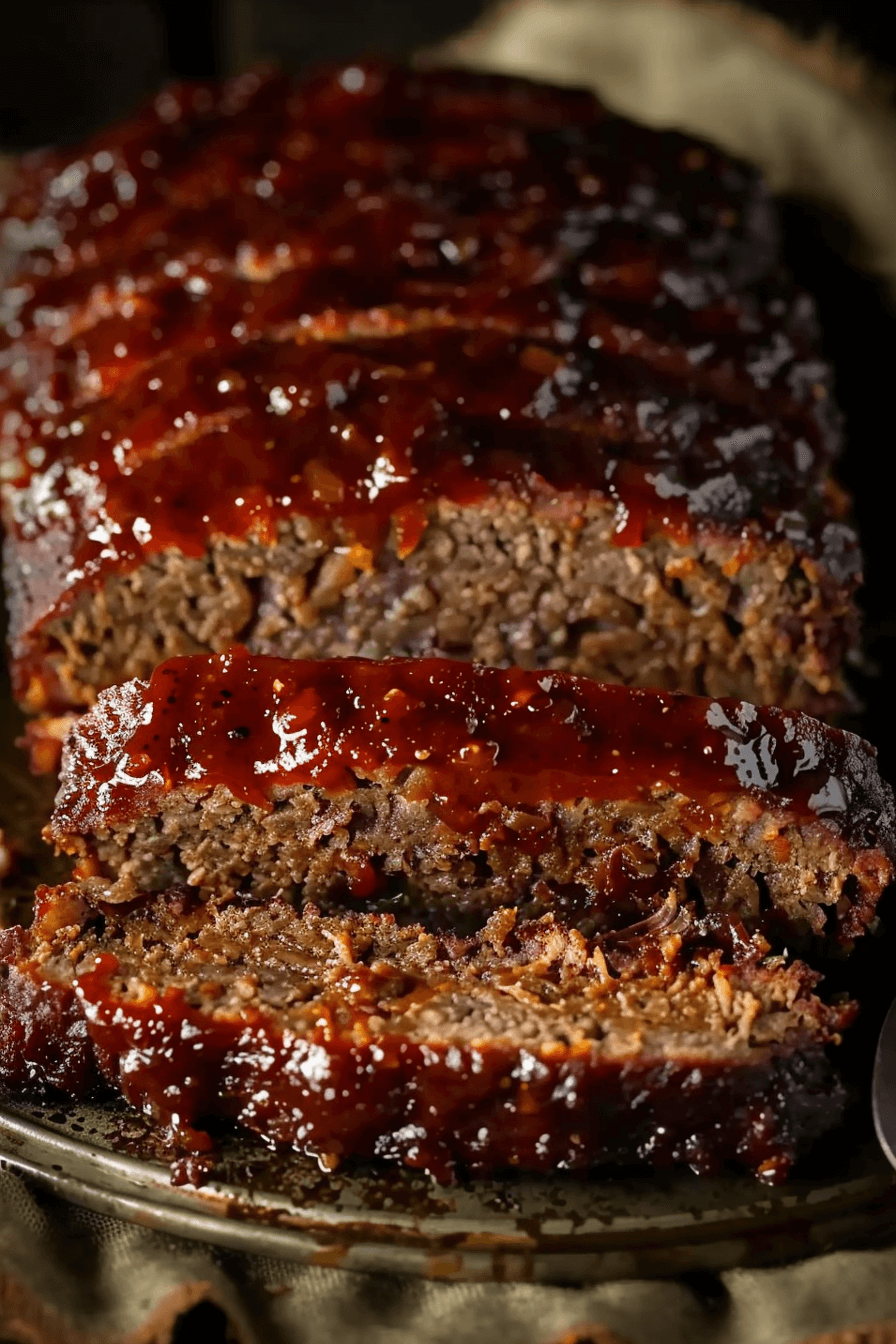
<point x="570" y="1229"/>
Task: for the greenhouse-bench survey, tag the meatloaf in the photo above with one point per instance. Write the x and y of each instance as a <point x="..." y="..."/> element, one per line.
<point x="391" y="362"/>
<point x="353" y="1035"/>
<point x="427" y="784"/>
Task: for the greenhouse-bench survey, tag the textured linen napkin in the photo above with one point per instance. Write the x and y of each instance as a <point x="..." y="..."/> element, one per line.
<point x="820" y="126"/>
<point x="73" y="1277"/>
<point x="68" y="1276"/>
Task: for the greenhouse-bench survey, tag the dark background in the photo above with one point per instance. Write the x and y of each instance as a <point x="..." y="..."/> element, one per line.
<point x="67" y="66"/>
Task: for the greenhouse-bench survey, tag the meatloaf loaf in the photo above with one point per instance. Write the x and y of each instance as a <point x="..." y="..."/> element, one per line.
<point x="428" y="785"/>
<point x="390" y="362"/>
<point x="352" y="1035"/>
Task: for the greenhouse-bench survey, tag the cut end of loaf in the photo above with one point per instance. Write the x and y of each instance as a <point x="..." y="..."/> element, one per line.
<point x="498" y="583"/>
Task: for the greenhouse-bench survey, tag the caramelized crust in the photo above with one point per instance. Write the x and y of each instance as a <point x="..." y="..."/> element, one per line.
<point x="351" y="1036"/>
<point x="284" y="355"/>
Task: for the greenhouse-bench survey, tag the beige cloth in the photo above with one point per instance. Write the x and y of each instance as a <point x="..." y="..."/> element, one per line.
<point x="818" y="125"/>
<point x="72" y="1277"/>
<point x="813" y="118"/>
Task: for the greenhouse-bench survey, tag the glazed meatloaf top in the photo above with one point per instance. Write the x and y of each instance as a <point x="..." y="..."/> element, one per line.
<point x="471" y="784"/>
<point x="353" y="296"/>
<point x="473" y="735"/>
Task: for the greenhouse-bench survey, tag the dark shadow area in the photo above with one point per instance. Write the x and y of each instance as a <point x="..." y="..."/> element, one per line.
<point x="67" y="67"/>
<point x="196" y="37"/>
<point x="203" y="1324"/>
<point x="709" y="1290"/>
<point x="859" y="336"/>
<point x="301" y="34"/>
<point x="866" y="26"/>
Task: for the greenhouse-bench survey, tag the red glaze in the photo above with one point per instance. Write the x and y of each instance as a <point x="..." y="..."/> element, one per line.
<point x="472" y="284"/>
<point x="373" y="435"/>
<point x="472" y="736"/>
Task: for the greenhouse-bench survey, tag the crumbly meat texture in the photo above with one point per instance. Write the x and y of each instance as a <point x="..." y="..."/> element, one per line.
<point x="598" y="864"/>
<point x="496" y="582"/>
<point x="481" y="370"/>
<point x="409" y="783"/>
<point x="355" y="1036"/>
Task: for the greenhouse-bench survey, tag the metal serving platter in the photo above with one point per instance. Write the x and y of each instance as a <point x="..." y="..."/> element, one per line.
<point x="571" y="1228"/>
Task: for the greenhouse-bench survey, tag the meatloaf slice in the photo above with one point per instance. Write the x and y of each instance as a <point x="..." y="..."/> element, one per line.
<point x="391" y="362"/>
<point x="414" y="782"/>
<point x="354" y="1036"/>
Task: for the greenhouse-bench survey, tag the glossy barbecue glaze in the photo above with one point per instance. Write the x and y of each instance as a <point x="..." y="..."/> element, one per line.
<point x="460" y="736"/>
<point x="351" y="297"/>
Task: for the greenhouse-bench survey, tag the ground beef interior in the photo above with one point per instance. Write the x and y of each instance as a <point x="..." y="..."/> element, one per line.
<point x="500" y="582"/>
<point x="602" y="865"/>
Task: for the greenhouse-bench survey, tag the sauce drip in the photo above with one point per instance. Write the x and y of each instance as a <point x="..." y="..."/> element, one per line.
<point x="334" y="1076"/>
